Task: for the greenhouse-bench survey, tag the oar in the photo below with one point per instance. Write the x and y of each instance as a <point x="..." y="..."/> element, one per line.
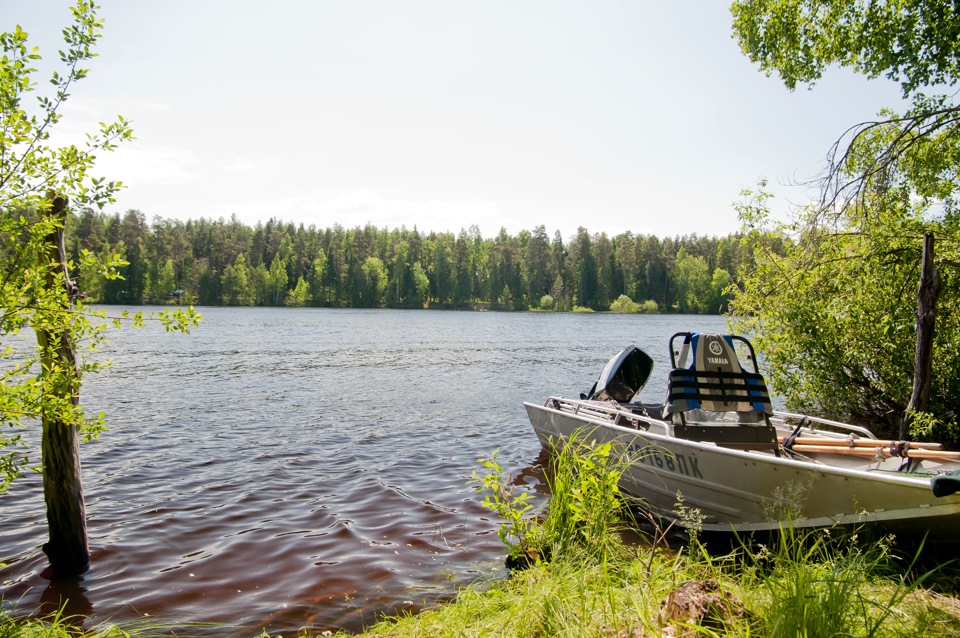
<point x="885" y="451"/>
<point x="871" y="443"/>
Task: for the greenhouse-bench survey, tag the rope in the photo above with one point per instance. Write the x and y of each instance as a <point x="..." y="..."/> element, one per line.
<point x="788" y="442"/>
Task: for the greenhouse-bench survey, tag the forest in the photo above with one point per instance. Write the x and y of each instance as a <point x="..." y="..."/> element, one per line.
<point x="226" y="262"/>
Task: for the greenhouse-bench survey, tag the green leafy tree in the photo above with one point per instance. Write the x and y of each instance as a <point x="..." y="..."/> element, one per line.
<point x="463" y="254"/>
<point x="114" y="287"/>
<point x="400" y="281"/>
<point x="586" y="284"/>
<point x="260" y="286"/>
<point x="37" y="181"/>
<point x="235" y="285"/>
<point x="719" y="300"/>
<point x="692" y="279"/>
<point x="557" y="293"/>
<point x="649" y="307"/>
<point x="421" y="285"/>
<point x="912" y="42"/>
<point x="444" y="274"/>
<point x="315" y="279"/>
<point x="278" y="280"/>
<point x="376" y="279"/>
<point x="300" y="295"/>
<point x="133" y="232"/>
<point x="537" y="264"/>
<point x="164" y="282"/>
<point x="609" y="276"/>
<point x="626" y="251"/>
<point x="836" y="314"/>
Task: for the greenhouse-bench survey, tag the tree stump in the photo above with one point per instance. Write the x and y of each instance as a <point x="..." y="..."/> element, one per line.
<point x="927" y="295"/>
<point x="67" y="549"/>
<point x="701" y="603"/>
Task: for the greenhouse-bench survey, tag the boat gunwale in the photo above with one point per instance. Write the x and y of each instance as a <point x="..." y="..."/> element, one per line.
<point x="883" y="475"/>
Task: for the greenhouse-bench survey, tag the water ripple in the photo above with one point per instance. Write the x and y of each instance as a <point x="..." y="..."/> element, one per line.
<point x="284" y="468"/>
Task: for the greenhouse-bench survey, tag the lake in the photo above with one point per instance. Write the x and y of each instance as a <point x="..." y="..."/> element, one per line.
<point x="282" y="468"/>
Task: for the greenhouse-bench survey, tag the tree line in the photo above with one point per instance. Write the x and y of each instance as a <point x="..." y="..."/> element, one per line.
<point x="226" y="262"/>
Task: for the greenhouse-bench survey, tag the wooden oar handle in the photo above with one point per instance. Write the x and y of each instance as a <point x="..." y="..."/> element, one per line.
<point x="868" y="443"/>
<point x="868" y="452"/>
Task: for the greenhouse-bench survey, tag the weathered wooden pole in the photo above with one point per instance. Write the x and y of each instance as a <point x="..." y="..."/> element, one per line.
<point x="67" y="549"/>
<point x="926" y="318"/>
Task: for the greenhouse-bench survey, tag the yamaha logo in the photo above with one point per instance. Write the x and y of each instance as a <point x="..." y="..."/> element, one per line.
<point x="715" y="348"/>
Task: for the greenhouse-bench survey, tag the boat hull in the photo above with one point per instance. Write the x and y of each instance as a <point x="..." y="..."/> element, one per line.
<point x="724" y="489"/>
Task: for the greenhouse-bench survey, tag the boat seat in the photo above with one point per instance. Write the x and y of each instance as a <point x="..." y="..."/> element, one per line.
<point x="738" y="437"/>
<point x="714" y="398"/>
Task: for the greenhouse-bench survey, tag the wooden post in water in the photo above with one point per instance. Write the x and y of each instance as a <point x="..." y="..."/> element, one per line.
<point x="67" y="549"/>
<point x="926" y="318"/>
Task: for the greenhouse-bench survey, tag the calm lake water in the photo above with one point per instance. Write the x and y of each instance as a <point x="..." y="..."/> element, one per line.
<point x="288" y="468"/>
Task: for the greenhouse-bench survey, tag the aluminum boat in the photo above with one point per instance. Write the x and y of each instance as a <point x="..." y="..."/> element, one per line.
<point x="716" y="448"/>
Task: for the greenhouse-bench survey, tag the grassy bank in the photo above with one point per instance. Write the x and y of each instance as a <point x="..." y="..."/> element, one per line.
<point x="763" y="592"/>
<point x="582" y="580"/>
<point x="56" y="626"/>
<point x="832" y="593"/>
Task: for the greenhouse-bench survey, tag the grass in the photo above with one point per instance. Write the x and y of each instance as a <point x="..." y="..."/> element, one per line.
<point x="575" y="596"/>
<point x="55" y="626"/>
<point x="58" y="625"/>
<point x="569" y="596"/>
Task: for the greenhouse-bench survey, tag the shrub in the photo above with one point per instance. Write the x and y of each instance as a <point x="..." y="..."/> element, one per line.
<point x="649" y="307"/>
<point x="625" y="305"/>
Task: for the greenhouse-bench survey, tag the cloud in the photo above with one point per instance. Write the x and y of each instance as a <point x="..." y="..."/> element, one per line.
<point x="142" y="165"/>
<point x="361" y="207"/>
<point x="358" y="202"/>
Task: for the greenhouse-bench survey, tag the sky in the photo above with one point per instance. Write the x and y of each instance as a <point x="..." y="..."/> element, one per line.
<point x="613" y="115"/>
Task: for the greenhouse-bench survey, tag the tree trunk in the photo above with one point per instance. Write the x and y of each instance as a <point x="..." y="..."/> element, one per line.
<point x="67" y="548"/>
<point x="926" y="318"/>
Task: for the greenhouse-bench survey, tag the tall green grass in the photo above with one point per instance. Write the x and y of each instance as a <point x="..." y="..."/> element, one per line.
<point x="59" y="625"/>
<point x="586" y="509"/>
<point x="827" y="583"/>
<point x="55" y="626"/>
<point x="585" y="512"/>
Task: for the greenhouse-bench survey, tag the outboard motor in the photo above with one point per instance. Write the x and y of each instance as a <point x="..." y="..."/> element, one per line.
<point x="623" y="377"/>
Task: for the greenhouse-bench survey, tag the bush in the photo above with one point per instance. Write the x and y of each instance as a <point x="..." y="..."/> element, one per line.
<point x="624" y="305"/>
<point x="546" y="302"/>
<point x="649" y="307"/>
